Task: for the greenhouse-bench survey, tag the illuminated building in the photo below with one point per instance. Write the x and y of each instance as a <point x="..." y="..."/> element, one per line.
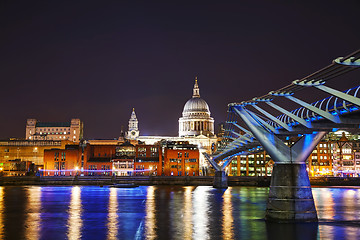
<point x="343" y="157"/>
<point x="70" y="131"/>
<point x="85" y="160"/>
<point x="62" y="162"/>
<point x="320" y="160"/>
<point x="148" y="160"/>
<point x="181" y="159"/>
<point x="196" y="126"/>
<point x="14" y="151"/>
<point x="259" y="164"/>
<point x="123" y="163"/>
<point x="196" y="118"/>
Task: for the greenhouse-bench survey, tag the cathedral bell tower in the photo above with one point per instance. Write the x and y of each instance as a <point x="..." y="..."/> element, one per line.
<point x="133" y="131"/>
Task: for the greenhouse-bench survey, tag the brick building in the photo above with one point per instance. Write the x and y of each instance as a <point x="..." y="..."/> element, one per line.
<point x="148" y="160"/>
<point x="181" y="159"/>
<point x="80" y="159"/>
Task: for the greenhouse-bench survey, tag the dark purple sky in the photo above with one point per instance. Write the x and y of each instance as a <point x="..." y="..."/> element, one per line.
<point x="96" y="60"/>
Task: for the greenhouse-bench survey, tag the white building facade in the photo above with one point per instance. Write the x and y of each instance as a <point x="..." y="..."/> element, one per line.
<point x="133" y="129"/>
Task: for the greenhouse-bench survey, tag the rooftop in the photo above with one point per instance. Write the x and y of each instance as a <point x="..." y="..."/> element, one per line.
<point x="53" y="124"/>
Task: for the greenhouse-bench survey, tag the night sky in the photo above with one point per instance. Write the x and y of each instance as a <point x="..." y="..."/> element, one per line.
<point x="96" y="60"/>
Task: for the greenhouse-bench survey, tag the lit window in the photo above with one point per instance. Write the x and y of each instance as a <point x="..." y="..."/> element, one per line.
<point x="64" y="132"/>
<point x="74" y="131"/>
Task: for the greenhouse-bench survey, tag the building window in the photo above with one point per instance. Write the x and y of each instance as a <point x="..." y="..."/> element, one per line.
<point x="56" y="165"/>
<point x="141" y="149"/>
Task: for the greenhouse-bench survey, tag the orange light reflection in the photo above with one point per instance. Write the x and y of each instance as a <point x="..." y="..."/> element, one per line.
<point x="75" y="221"/>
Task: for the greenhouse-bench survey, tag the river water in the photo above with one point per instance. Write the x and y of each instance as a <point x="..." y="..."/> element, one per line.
<point x="166" y="212"/>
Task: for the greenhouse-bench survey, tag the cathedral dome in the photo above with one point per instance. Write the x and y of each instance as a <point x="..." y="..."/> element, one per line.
<point x="196" y="106"/>
<point x="196" y="119"/>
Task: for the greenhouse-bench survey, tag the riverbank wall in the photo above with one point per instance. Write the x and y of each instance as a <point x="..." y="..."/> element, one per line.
<point x="165" y="180"/>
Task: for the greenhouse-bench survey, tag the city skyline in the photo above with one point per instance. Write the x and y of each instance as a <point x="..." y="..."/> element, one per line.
<point x="98" y="61"/>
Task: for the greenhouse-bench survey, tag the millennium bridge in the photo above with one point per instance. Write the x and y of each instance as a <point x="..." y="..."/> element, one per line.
<point x="251" y="127"/>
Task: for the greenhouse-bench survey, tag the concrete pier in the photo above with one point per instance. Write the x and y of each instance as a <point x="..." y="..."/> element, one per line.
<point x="290" y="195"/>
<point x="220" y="180"/>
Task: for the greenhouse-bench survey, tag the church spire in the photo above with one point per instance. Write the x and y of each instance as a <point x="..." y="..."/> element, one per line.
<point x="133" y="131"/>
<point x="133" y="115"/>
<point x="196" y="90"/>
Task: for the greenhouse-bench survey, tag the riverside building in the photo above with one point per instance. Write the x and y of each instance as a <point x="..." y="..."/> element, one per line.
<point x="83" y="159"/>
<point x="20" y="150"/>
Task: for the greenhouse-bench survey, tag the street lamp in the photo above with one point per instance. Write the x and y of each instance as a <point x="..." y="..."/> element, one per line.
<point x="188" y="168"/>
<point x="150" y="170"/>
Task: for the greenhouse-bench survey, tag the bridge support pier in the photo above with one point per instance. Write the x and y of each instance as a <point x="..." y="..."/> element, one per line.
<point x="290" y="195"/>
<point x="220" y="180"/>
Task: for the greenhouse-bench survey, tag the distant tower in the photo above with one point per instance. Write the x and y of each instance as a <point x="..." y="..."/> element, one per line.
<point x="133" y="131"/>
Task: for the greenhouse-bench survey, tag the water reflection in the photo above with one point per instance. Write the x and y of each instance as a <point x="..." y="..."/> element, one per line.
<point x="167" y="212"/>
<point x="200" y="213"/>
<point x="150" y="220"/>
<point x="75" y="220"/>
<point x="33" y="219"/>
<point x="188" y="212"/>
<point x="112" y="215"/>
<point x="338" y="212"/>
<point x="227" y="215"/>
<point x="1" y="212"/>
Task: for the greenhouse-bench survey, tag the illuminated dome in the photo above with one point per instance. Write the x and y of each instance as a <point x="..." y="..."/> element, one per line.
<point x="195" y="106"/>
<point x="196" y="118"/>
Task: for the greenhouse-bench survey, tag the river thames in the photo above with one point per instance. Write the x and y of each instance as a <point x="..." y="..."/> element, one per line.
<point x="166" y="212"/>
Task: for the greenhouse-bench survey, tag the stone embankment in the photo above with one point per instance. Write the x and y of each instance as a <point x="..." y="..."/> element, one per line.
<point x="165" y="180"/>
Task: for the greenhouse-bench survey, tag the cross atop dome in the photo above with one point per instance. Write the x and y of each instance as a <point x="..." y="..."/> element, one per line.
<point x="196" y="90"/>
